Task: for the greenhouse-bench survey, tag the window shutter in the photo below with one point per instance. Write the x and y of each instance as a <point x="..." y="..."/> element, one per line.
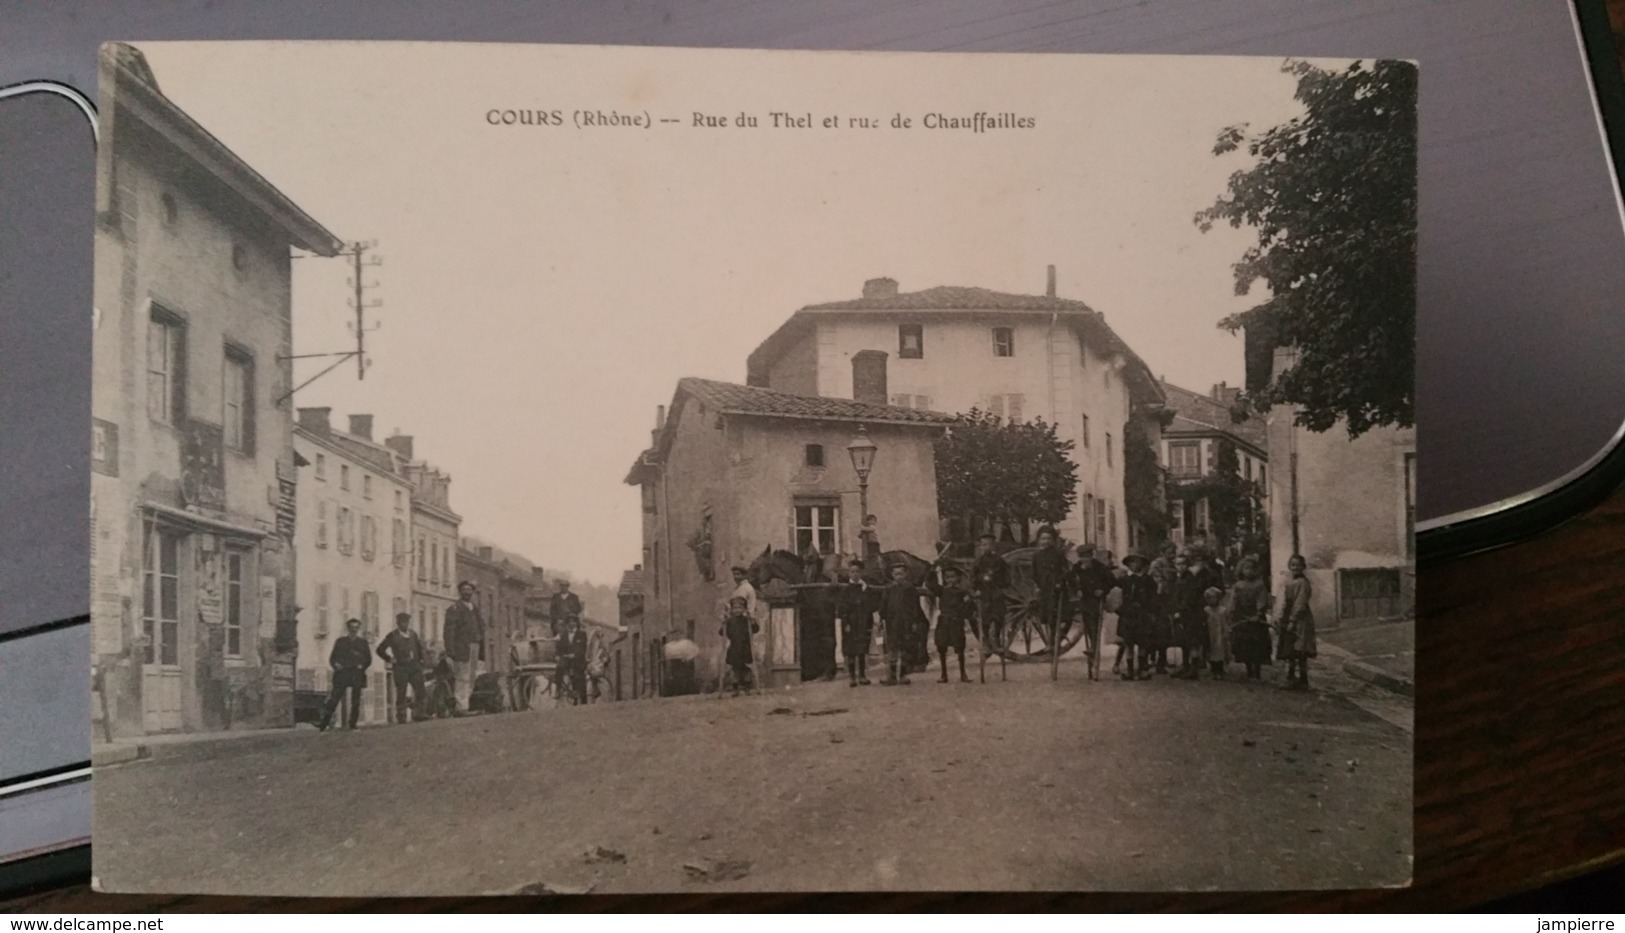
<point x="1013" y="403"/>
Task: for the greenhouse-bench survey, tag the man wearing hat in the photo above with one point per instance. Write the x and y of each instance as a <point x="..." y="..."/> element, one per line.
<point x="563" y="605"/>
<point x="349" y="659"/>
<point x="465" y="639"/>
<point x="1135" y="616"/>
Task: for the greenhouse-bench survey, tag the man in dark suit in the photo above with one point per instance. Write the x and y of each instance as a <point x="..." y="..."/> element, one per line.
<point x="403" y="651"/>
<point x="464" y="635"/>
<point x="990" y="577"/>
<point x="349" y="659"/>
<point x="563" y="605"/>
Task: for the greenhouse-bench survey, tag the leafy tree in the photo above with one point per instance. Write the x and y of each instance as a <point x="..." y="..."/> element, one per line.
<point x="1332" y="197"/>
<point x="1017" y="473"/>
<point x="1235" y="505"/>
<point x="1144" y="500"/>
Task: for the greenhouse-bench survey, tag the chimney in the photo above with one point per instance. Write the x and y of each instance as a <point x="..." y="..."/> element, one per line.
<point x="637" y="566"/>
<point x="660" y="423"/>
<point x="869" y="377"/>
<point x="402" y="445"/>
<point x="485" y="553"/>
<point x="361" y="426"/>
<point x="1049" y="290"/>
<point x="315" y="420"/>
<point x="880" y="288"/>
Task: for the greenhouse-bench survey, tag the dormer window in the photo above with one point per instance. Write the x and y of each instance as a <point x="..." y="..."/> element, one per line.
<point x="910" y="342"/>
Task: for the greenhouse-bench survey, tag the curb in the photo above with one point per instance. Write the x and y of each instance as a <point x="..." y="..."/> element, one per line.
<point x="118" y="754"/>
<point x="1376" y="676"/>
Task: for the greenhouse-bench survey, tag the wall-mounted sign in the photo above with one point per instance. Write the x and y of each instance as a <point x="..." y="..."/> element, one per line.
<point x="203" y="465"/>
<point x="104" y="447"/>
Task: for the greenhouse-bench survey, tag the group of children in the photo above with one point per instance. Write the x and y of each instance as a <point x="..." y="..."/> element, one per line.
<point x="1184" y="601"/>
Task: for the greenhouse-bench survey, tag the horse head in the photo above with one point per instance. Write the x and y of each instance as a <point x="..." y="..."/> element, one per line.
<point x="774" y="565"/>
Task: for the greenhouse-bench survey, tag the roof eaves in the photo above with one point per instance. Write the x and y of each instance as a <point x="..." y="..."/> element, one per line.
<point x="156" y="110"/>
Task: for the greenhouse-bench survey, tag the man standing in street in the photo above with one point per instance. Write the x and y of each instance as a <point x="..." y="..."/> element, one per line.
<point x="754" y="607"/>
<point x="1093" y="581"/>
<point x="563" y="605"/>
<point x="350" y="659"/>
<point x="990" y="577"/>
<point x="465" y="633"/>
<point x="403" y="651"/>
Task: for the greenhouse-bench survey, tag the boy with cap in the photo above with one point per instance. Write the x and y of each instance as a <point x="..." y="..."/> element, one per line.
<point x="955" y="609"/>
<point x="855" y="610"/>
<point x="902" y="616"/>
<point x="1134" y="617"/>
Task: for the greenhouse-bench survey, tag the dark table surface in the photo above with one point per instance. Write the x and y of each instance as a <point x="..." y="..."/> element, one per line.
<point x="1520" y="735"/>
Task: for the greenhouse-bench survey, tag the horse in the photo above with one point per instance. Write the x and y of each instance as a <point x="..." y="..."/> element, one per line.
<point x="775" y="565"/>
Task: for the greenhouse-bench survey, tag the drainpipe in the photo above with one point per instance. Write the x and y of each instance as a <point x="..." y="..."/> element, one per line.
<point x="1049" y="354"/>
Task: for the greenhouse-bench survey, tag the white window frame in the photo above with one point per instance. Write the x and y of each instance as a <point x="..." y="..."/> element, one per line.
<point x="166" y="331"/>
<point x="1187" y="447"/>
<point x="236" y="378"/>
<point x="232" y="618"/>
<point x="816" y="527"/>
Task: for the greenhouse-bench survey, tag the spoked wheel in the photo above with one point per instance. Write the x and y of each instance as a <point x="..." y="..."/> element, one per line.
<point x="1025" y="637"/>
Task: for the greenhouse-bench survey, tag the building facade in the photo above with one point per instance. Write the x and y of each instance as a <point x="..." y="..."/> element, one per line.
<point x="736" y="470"/>
<point x="433" y="531"/>
<point x="1202" y="439"/>
<point x="1349" y="507"/>
<point x="951" y="349"/>
<point x="354" y="556"/>
<point x="193" y="490"/>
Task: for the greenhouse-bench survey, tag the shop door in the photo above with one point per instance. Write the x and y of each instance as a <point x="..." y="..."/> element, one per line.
<point x="160" y="624"/>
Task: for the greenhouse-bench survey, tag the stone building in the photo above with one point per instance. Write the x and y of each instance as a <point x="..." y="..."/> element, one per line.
<point x="433" y="531"/>
<point x="1193" y="449"/>
<point x="734" y="470"/>
<point x="353" y="546"/>
<point x="951" y="349"/>
<point x="193" y="485"/>
<point x="1349" y="507"/>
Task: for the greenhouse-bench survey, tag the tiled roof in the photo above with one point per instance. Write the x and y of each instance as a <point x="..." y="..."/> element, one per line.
<point x="631" y="583"/>
<point x="1195" y="413"/>
<point x="734" y="399"/>
<point x="378" y="457"/>
<point x="730" y="398"/>
<point x="952" y="298"/>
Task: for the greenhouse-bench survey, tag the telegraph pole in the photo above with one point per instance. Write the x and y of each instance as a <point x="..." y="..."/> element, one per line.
<point x="362" y="258"/>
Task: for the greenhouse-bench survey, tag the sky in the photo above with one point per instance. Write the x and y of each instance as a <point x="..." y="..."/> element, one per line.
<point x="544" y="288"/>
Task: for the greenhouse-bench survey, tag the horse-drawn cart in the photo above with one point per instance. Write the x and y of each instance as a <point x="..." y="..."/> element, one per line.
<point x="1023" y="636"/>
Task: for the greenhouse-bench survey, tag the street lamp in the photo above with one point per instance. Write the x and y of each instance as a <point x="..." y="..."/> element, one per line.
<point x="862" y="451"/>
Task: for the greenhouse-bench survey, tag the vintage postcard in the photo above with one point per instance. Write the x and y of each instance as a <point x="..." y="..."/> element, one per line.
<point x="567" y="468"/>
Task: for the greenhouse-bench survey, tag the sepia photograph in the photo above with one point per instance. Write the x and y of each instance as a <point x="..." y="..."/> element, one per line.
<point x="528" y="469"/>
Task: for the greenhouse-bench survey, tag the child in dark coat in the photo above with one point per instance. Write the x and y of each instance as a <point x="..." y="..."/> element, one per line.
<point x="902" y="616"/>
<point x="855" y="610"/>
<point x="738" y="628"/>
<point x="955" y="609"/>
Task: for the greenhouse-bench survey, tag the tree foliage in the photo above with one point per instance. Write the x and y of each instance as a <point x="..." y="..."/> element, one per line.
<point x="1144" y="500"/>
<point x="1235" y="505"/>
<point x="1332" y="196"/>
<point x="1017" y="473"/>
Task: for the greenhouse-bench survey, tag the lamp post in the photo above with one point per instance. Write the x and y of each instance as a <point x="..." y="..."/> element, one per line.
<point x="862" y="451"/>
